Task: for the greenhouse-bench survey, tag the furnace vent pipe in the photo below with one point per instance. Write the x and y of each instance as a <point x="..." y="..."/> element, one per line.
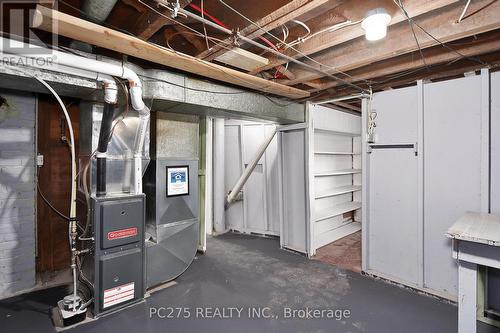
<point x="102" y="148"/>
<point x="76" y="65"/>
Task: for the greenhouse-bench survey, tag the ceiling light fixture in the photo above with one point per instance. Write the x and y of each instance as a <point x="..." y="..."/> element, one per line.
<point x="375" y="24"/>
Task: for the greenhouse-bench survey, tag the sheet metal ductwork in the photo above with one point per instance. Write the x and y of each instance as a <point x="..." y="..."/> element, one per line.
<point x="171" y="222"/>
<point x="98" y="10"/>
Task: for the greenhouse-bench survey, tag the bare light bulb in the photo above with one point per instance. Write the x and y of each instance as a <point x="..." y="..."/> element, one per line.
<point x="375" y="24"/>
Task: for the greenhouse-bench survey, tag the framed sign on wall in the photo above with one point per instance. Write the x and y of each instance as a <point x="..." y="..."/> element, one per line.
<point x="177" y="180"/>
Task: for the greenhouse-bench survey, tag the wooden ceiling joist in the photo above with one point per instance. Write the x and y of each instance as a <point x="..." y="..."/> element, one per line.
<point x="78" y="29"/>
<point x="413" y="61"/>
<point x="331" y="39"/>
<point x="290" y="11"/>
<point x="441" y="24"/>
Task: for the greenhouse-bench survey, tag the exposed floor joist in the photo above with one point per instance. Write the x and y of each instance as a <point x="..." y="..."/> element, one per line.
<point x="331" y="39"/>
<point x="78" y="29"/>
<point x="442" y="25"/>
<point x="413" y="61"/>
<point x="281" y="16"/>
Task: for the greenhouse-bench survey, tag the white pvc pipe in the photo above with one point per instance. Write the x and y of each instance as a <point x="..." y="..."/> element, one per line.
<point x="77" y="65"/>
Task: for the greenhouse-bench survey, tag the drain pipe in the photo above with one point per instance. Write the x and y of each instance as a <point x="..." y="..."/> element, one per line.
<point x="102" y="148"/>
<point x="77" y="65"/>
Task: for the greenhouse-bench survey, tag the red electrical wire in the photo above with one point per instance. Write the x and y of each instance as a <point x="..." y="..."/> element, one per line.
<point x="277" y="74"/>
<point x="213" y="19"/>
<point x="218" y="22"/>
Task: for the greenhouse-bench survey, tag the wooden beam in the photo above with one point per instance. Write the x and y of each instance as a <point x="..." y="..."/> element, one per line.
<point x="290" y="11"/>
<point x="413" y="61"/>
<point x="442" y="25"/>
<point x="327" y="40"/>
<point x="78" y="29"/>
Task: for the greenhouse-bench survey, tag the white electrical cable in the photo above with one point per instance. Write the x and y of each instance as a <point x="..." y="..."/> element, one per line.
<point x="464" y="11"/>
<point x="303" y="25"/>
<point x="72" y="213"/>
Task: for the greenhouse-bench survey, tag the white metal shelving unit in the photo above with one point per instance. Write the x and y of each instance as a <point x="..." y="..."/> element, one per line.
<point x="320" y="179"/>
<point x="334" y="175"/>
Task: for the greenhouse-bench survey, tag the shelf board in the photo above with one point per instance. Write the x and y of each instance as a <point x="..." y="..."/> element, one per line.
<point x="336" y="234"/>
<point x="335" y="153"/>
<point x="337" y="191"/>
<point x="338" y="172"/>
<point x="334" y="132"/>
<point x="337" y="210"/>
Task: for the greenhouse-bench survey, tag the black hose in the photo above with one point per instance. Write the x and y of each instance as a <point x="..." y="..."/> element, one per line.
<point x="102" y="147"/>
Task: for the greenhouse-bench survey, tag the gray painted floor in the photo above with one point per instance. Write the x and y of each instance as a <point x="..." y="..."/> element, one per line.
<point x="244" y="271"/>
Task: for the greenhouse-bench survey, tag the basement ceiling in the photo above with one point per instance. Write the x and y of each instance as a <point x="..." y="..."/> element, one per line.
<point x="335" y="60"/>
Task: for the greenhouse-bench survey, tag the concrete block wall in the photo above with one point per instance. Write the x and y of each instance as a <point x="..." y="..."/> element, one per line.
<point x="17" y="192"/>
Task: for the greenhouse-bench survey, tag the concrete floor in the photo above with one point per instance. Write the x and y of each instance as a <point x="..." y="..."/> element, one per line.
<point x="344" y="253"/>
<point x="245" y="271"/>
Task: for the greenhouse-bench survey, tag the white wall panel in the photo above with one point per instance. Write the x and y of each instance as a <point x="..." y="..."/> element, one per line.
<point x="294" y="191"/>
<point x="452" y="168"/>
<point x="397" y="116"/>
<point x="259" y="210"/>
<point x="495" y="143"/>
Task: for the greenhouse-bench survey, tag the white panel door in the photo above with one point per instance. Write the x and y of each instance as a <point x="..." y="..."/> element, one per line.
<point x="452" y="168"/>
<point x="393" y="221"/>
<point x="394" y="247"/>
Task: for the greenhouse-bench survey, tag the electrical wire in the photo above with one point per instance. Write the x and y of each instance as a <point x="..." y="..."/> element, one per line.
<point x="204" y="26"/>
<point x="303" y="25"/>
<point x="50" y="204"/>
<point x="218" y="68"/>
<point x="220" y="44"/>
<point x="475" y="59"/>
<point x="411" y="23"/>
<point x="463" y="12"/>
<point x="302" y="54"/>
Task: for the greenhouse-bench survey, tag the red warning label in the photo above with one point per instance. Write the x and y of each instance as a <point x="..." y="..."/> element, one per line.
<point x="122" y="233"/>
<point x="118" y="295"/>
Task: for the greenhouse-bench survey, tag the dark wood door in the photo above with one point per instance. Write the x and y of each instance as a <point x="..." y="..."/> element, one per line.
<point x="55" y="183"/>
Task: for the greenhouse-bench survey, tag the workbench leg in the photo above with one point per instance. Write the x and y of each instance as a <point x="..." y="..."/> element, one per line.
<point x="467" y="297"/>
